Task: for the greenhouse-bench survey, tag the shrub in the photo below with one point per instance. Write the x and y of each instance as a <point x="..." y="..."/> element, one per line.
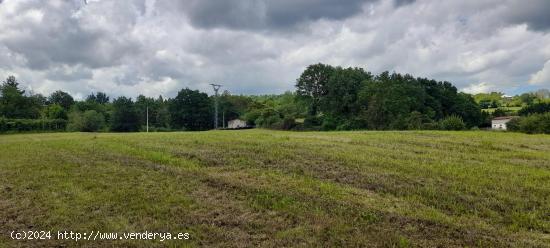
<point x="535" y="123"/>
<point x="30" y="125"/>
<point x="289" y="123"/>
<point x="89" y="121"/>
<point x="500" y="112"/>
<point x="92" y="121"/>
<point x="514" y="125"/>
<point x="312" y="121"/>
<point x="330" y="123"/>
<point x="452" y="122"/>
<point x="414" y="121"/>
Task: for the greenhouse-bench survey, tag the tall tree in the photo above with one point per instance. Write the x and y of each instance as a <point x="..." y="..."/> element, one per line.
<point x="343" y="87"/>
<point x="62" y="98"/>
<point x="125" y="116"/>
<point x="191" y="110"/>
<point x="312" y="84"/>
<point x="99" y="97"/>
<point x="14" y="104"/>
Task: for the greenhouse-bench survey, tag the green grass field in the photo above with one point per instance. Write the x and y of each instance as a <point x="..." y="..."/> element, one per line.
<point x="511" y="109"/>
<point x="271" y="188"/>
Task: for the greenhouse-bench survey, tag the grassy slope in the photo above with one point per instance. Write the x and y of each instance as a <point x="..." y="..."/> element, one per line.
<point x="270" y="188"/>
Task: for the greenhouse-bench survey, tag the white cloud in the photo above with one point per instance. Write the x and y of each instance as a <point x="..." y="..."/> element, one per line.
<point x="542" y="77"/>
<point x="478" y="88"/>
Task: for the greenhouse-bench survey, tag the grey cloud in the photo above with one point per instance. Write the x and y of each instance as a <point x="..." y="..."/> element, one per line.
<point x="59" y="38"/>
<point x="264" y="14"/>
<point x="157" y="47"/>
<point x="66" y="73"/>
<point x="536" y="13"/>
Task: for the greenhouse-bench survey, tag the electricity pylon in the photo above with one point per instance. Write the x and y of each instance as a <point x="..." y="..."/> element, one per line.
<point x="216" y="88"/>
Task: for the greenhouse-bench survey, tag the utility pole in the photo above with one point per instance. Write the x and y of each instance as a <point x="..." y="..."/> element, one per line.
<point x="216" y="88"/>
<point x="147" y="118"/>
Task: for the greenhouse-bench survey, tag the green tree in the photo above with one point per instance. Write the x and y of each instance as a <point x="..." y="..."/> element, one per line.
<point x="527" y="98"/>
<point x="125" y="117"/>
<point x="343" y="87"/>
<point x="465" y="106"/>
<point x="232" y="106"/>
<point x="61" y="98"/>
<point x="312" y="84"/>
<point x="55" y="111"/>
<point x="14" y="104"/>
<point x="191" y="110"/>
<point x="537" y="108"/>
<point x="389" y="99"/>
<point x="99" y="97"/>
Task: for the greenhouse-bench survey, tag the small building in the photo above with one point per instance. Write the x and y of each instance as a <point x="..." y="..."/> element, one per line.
<point x="499" y="123"/>
<point x="236" y="124"/>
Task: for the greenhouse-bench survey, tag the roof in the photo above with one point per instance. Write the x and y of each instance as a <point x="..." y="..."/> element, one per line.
<point x="504" y="118"/>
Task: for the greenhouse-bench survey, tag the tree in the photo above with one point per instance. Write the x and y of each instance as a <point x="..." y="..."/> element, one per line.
<point x="99" y="97"/>
<point x="14" y="104"/>
<point x="55" y="111"/>
<point x="389" y="99"/>
<point x="191" y="110"/>
<point x="527" y="98"/>
<point x="341" y="98"/>
<point x="143" y="105"/>
<point x="125" y="116"/>
<point x="232" y="106"/>
<point x="312" y="84"/>
<point x="62" y="98"/>
<point x="465" y="106"/>
<point x="537" y="108"/>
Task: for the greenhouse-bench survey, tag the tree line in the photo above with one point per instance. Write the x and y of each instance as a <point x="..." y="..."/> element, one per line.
<point x="326" y="98"/>
<point x="189" y="110"/>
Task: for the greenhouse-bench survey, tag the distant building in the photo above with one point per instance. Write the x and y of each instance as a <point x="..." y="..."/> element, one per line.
<point x="499" y="123"/>
<point x="236" y="124"/>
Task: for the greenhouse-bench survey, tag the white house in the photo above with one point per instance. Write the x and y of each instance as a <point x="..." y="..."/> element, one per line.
<point x="236" y="124"/>
<point x="499" y="123"/>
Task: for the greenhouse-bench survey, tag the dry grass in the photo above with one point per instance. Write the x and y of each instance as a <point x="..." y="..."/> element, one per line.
<point x="268" y="188"/>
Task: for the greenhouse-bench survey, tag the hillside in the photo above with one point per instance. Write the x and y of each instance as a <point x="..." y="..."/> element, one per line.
<point x="275" y="188"/>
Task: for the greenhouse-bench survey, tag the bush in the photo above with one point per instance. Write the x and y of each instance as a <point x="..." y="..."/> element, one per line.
<point x="30" y="125"/>
<point x="89" y="121"/>
<point x="330" y="123"/>
<point x="535" y="123"/>
<point x="513" y="125"/>
<point x="452" y="122"/>
<point x="312" y="121"/>
<point x="92" y="121"/>
<point x="288" y="123"/>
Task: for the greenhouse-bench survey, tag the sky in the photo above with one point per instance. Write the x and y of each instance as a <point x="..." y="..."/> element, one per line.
<point x="157" y="47"/>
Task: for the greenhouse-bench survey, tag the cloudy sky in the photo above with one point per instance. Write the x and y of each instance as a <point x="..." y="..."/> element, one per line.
<point x="153" y="47"/>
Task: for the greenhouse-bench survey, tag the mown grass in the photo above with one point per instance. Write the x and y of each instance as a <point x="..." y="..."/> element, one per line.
<point x="270" y="188"/>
